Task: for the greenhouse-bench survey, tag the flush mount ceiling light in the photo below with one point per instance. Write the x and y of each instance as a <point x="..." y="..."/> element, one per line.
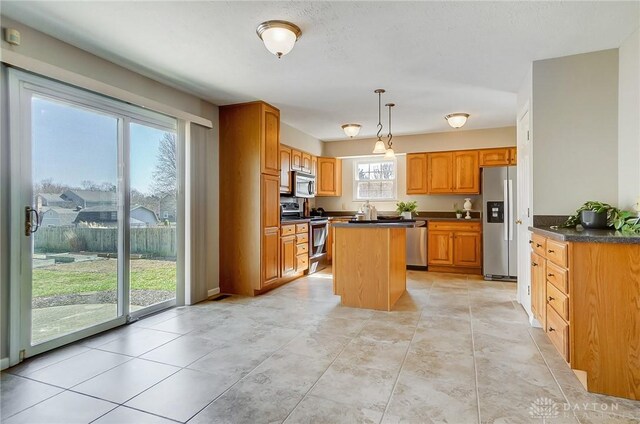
<point x="389" y="153"/>
<point x="379" y="148"/>
<point x="457" y="120"/>
<point x="279" y="37"/>
<point x="351" y="130"/>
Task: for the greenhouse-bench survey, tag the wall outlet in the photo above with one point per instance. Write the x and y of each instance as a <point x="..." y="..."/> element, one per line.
<point x="12" y="36"/>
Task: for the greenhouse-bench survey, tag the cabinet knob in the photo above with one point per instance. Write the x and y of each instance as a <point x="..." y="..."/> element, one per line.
<point x="551" y="251"/>
<point x="551" y="299"/>
<point x="534" y="264"/>
<point x="550" y="275"/>
<point x="530" y="241"/>
<point x="538" y="245"/>
<point x="552" y="329"/>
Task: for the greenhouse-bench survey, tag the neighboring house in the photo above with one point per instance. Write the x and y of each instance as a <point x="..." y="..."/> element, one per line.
<point x="90" y="198"/>
<point x="167" y="208"/>
<point x="57" y="217"/>
<point x="107" y="216"/>
<point x="51" y="199"/>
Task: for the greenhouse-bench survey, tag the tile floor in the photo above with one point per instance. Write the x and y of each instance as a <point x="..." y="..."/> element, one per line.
<point x="457" y="350"/>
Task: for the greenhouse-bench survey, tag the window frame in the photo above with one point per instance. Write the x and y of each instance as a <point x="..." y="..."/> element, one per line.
<point x="370" y="160"/>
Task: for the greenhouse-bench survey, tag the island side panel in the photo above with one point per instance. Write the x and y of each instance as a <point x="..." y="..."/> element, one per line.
<point x="605" y="317"/>
<point x="361" y="267"/>
<point x="397" y="265"/>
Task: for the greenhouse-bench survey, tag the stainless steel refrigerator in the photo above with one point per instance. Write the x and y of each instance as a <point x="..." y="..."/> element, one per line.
<point x="499" y="235"/>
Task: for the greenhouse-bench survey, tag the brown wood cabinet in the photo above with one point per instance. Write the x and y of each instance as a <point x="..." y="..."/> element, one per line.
<point x="538" y="288"/>
<point x="285" y="169"/>
<point x="329" y="179"/>
<point x="417" y="173"/>
<point x="440" y="171"/>
<point x="296" y="160"/>
<point x="494" y="157"/>
<point x="513" y="156"/>
<point x="314" y="165"/>
<point x="249" y="175"/>
<point x="306" y="162"/>
<point x="288" y="255"/>
<point x="454" y="246"/>
<point x="466" y="171"/>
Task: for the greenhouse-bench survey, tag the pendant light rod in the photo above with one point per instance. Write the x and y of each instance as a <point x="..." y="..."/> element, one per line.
<point x="390" y="136"/>
<point x="379" y="92"/>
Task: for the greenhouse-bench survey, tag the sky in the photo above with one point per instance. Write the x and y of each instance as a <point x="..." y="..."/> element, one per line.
<point x="72" y="144"/>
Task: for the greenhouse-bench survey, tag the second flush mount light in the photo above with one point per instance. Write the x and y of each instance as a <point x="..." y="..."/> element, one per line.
<point x="351" y="130"/>
<point x="457" y="120"/>
<point x="279" y="37"/>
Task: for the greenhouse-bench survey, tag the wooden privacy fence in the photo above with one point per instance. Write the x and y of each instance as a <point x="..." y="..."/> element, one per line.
<point x="156" y="241"/>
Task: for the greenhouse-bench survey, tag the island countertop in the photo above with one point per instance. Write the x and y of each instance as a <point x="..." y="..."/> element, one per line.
<point x="380" y="224"/>
<point x="586" y="236"/>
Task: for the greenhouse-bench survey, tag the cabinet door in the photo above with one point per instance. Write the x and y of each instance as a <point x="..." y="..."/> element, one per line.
<point x="270" y="159"/>
<point x="306" y="163"/>
<point x="440" y="248"/>
<point x="417" y="173"/>
<point x="329" y="181"/>
<point x="494" y="157"/>
<point x="270" y="201"/>
<point x="513" y="156"/>
<point x="288" y="255"/>
<point x="314" y="165"/>
<point x="466" y="172"/>
<point x="285" y="170"/>
<point x="467" y="250"/>
<point x="538" y="289"/>
<point x="270" y="255"/>
<point x="296" y="160"/>
<point x="440" y="168"/>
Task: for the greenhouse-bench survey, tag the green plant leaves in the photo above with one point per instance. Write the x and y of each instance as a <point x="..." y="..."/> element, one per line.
<point x="621" y="220"/>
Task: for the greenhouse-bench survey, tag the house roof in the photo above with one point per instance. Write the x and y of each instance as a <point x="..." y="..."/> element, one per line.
<point x="110" y="208"/>
<point x="51" y="197"/>
<point x="65" y="215"/>
<point x="94" y="195"/>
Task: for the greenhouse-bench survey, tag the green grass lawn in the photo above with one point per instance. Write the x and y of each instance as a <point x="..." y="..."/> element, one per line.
<point x="92" y="276"/>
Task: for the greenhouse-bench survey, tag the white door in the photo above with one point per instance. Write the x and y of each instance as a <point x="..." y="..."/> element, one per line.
<point x="524" y="214"/>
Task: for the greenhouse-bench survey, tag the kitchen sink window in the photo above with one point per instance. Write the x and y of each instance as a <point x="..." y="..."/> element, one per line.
<point x="375" y="179"/>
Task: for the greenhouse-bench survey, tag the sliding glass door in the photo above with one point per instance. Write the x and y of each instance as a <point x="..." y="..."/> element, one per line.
<point x="95" y="187"/>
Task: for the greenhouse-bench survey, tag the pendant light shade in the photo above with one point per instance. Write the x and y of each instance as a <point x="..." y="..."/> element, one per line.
<point x="457" y="120"/>
<point x="389" y="154"/>
<point x="380" y="148"/>
<point x="278" y="37"/>
<point x="351" y="130"/>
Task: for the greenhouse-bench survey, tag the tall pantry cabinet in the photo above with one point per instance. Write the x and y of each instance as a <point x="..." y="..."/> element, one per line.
<point x="249" y="197"/>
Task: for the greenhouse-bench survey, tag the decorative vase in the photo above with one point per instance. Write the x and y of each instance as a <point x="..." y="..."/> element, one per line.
<point x="459" y="215"/>
<point x="467" y="207"/>
<point x="406" y="215"/>
<point x="592" y="219"/>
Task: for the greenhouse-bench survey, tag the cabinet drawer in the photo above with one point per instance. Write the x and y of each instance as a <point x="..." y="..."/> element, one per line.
<point x="302" y="248"/>
<point x="539" y="244"/>
<point x="558" y="301"/>
<point x="302" y="228"/>
<point x="557" y="252"/>
<point x="303" y="263"/>
<point x="287" y="230"/>
<point x="558" y="277"/>
<point x="558" y="332"/>
<point x="302" y="238"/>
<point x="454" y="226"/>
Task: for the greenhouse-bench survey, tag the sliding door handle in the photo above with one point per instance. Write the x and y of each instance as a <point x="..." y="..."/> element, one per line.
<point x="31" y="226"/>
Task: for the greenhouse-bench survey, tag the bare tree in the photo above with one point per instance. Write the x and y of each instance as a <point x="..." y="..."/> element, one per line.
<point x="166" y="171"/>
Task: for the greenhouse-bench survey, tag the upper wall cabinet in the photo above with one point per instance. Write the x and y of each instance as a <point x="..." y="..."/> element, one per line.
<point x="417" y="173"/>
<point x="440" y="167"/>
<point x="453" y="172"/>
<point x="296" y="160"/>
<point x="306" y="163"/>
<point x="329" y="179"/>
<point x="513" y="156"/>
<point x="285" y="169"/>
<point x="270" y="141"/>
<point x="497" y="157"/>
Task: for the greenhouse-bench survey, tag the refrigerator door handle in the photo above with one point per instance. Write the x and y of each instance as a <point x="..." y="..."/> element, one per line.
<point x="506" y="212"/>
<point x="511" y="217"/>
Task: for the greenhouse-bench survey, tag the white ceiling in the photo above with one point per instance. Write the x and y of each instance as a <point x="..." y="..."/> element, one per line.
<point x="433" y="58"/>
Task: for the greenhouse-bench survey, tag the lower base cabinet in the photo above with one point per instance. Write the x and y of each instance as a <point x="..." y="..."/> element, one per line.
<point x="270" y="256"/>
<point x="294" y="249"/>
<point x="455" y="247"/>
<point x="287" y="255"/>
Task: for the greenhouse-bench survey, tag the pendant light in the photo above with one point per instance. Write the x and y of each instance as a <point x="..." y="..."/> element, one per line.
<point x="389" y="153"/>
<point x="457" y="120"/>
<point x="351" y="130"/>
<point x="379" y="147"/>
<point x="279" y="37"/>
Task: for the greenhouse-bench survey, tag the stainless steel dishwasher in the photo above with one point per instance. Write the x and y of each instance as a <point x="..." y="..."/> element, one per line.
<point x="417" y="247"/>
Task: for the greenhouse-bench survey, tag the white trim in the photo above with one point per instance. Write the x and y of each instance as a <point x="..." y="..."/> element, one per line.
<point x="33" y="65"/>
<point x="213" y="292"/>
<point x="369" y="160"/>
<point x="4" y="363"/>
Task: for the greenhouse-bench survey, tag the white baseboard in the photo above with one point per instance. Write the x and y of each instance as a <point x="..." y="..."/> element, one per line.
<point x="4" y="363"/>
<point x="213" y="292"/>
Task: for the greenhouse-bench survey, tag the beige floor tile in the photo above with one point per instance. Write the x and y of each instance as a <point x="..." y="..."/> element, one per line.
<point x="316" y="410"/>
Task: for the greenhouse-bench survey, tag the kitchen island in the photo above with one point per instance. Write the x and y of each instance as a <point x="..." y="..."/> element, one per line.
<point x="369" y="263"/>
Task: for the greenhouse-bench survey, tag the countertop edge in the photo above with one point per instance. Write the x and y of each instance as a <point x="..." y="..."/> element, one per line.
<point x="587" y="236"/>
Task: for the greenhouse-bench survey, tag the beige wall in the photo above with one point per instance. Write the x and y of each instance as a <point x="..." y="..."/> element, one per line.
<point x="430" y="203"/>
<point x="629" y="122"/>
<point x="293" y="137"/>
<point x="39" y="46"/>
<point x="575" y="131"/>
<point x="453" y="140"/>
<point x="433" y="142"/>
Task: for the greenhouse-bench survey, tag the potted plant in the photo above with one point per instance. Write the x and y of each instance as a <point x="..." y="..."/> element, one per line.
<point x="457" y="210"/>
<point x="602" y="215"/>
<point x="406" y="209"/>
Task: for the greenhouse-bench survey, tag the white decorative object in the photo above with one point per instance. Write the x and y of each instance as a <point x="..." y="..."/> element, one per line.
<point x="467" y="207"/>
<point x="351" y="130"/>
<point x="278" y="37"/>
<point x="459" y="215"/>
<point x="406" y="215"/>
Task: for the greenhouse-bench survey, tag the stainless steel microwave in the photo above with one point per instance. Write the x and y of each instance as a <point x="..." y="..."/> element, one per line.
<point x="304" y="185"/>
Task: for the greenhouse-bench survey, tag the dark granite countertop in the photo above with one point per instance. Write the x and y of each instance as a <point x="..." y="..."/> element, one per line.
<point x="423" y="216"/>
<point x="380" y="224"/>
<point x="586" y="236"/>
<point x="294" y="221"/>
<point x="418" y="218"/>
